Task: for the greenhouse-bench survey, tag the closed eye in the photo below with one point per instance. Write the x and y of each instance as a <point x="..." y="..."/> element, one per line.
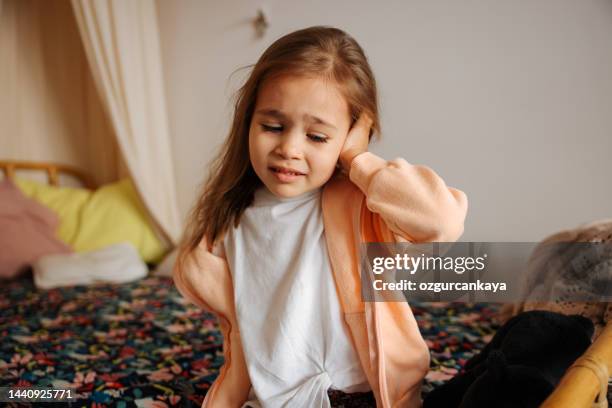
<point x="318" y="138"/>
<point x="277" y="129"/>
<point x="269" y="128"/>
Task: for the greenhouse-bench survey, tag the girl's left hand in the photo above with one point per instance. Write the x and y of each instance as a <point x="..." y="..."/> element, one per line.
<point x="356" y="141"/>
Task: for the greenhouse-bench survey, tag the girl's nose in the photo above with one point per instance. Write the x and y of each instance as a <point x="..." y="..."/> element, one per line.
<point x="289" y="146"/>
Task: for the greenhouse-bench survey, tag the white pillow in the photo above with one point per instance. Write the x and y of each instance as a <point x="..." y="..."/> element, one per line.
<point x="117" y="263"/>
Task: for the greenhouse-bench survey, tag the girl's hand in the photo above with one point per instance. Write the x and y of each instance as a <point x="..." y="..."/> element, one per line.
<point x="356" y="141"/>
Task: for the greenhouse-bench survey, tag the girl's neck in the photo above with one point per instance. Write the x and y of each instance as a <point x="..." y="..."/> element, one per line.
<point x="265" y="196"/>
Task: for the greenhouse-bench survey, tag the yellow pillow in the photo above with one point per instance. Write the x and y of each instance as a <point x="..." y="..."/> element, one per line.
<point x="115" y="214"/>
<point x="66" y="202"/>
<point x="91" y="220"/>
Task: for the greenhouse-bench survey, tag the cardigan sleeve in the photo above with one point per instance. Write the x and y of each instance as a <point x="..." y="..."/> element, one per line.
<point x="412" y="200"/>
<point x="203" y="278"/>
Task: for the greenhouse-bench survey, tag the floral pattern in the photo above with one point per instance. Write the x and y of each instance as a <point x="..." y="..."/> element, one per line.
<point x="142" y="345"/>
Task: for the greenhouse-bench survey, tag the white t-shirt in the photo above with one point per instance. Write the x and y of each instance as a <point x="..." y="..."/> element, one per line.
<point x="294" y="338"/>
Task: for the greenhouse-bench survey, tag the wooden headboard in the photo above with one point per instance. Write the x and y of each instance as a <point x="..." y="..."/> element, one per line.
<point x="53" y="170"/>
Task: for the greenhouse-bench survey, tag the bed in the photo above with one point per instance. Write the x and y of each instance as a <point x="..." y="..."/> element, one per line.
<point x="142" y="344"/>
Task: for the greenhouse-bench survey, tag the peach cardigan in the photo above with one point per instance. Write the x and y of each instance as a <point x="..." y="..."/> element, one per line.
<point x="382" y="202"/>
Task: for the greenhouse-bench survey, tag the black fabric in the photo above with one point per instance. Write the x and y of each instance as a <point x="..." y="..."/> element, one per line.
<point x="520" y="366"/>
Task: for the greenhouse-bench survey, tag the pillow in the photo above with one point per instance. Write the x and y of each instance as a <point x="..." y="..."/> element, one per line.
<point x="115" y="214"/>
<point x="27" y="231"/>
<point x="66" y="202"/>
<point x="91" y="220"/>
<point x="117" y="263"/>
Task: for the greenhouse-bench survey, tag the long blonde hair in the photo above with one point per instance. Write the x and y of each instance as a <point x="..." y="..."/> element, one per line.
<point x="315" y="51"/>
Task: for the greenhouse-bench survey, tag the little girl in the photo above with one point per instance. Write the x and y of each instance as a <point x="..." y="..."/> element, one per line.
<point x="274" y="238"/>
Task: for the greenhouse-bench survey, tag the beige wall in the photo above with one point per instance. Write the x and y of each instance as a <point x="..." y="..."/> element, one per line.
<point x="49" y="108"/>
<point x="510" y="101"/>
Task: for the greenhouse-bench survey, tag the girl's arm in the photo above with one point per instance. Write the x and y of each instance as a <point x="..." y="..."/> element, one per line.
<point x="413" y="201"/>
<point x="202" y="277"/>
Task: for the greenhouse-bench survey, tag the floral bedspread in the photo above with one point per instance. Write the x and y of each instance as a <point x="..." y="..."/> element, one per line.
<point x="142" y="345"/>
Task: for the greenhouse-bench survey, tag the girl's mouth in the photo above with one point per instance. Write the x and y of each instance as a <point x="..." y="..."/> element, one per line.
<point x="285" y="175"/>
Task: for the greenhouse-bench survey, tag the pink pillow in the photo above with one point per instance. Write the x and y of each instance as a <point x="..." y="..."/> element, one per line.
<point x="27" y="231"/>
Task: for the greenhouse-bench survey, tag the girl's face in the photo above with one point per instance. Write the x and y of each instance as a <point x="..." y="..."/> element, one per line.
<point x="298" y="128"/>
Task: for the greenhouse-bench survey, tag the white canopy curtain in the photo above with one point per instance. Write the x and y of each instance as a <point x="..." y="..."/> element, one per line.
<point x="121" y="40"/>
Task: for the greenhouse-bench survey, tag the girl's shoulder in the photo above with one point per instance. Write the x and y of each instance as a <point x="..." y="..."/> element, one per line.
<point x="340" y="187"/>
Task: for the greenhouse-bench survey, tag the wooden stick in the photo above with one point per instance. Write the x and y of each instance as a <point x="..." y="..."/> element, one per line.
<point x="580" y="385"/>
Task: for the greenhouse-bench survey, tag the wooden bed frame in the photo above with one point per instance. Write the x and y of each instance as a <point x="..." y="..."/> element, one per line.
<point x="578" y="388"/>
<point x="582" y="382"/>
<point x="53" y="170"/>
